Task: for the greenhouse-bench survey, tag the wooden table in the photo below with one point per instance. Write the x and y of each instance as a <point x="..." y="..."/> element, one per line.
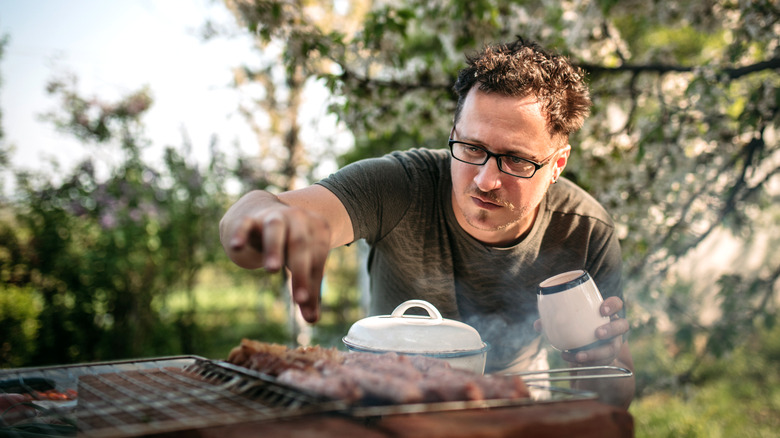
<point x="585" y="418"/>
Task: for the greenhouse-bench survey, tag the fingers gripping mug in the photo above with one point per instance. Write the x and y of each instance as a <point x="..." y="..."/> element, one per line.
<point x="569" y="309"/>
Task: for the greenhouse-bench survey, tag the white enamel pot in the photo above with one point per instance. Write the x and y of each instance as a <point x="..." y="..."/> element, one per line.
<point x="426" y="335"/>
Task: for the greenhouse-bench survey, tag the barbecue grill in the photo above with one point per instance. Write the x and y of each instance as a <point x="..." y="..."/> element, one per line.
<point x="151" y="396"/>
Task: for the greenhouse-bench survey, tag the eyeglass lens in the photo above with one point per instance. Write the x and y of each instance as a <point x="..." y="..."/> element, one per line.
<point x="512" y="165"/>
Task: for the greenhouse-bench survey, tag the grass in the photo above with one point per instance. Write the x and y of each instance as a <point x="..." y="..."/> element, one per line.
<point x="722" y="408"/>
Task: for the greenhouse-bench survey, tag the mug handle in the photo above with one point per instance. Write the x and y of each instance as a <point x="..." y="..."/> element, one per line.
<point x="433" y="312"/>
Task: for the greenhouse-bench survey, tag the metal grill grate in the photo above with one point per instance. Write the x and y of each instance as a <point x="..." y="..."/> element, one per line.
<point x="127" y="399"/>
<point x="142" y="397"/>
<point x="170" y="399"/>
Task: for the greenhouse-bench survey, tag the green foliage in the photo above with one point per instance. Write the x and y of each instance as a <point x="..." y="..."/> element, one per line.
<point x="107" y="267"/>
<point x="388" y="142"/>
<point x="19" y="310"/>
<point x="94" y="253"/>
<point x="92" y="121"/>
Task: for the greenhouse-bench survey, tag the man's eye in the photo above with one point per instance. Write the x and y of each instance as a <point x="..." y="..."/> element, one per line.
<point x="518" y="165"/>
<point x="472" y="150"/>
<point x="516" y="160"/>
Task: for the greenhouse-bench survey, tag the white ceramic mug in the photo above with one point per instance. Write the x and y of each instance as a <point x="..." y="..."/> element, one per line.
<point x="569" y="309"/>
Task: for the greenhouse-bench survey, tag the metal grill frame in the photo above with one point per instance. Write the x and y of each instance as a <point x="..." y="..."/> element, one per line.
<point x="189" y="393"/>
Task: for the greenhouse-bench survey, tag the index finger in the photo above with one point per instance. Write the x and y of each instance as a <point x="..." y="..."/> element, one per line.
<point x="613" y="329"/>
<point x="604" y="354"/>
<point x="611" y="306"/>
<point x="275" y="231"/>
<point x="307" y="267"/>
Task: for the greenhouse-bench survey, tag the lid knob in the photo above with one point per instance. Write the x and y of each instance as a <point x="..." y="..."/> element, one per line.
<point x="433" y="312"/>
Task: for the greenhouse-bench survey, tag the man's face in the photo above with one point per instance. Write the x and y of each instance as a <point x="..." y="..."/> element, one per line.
<point x="490" y="205"/>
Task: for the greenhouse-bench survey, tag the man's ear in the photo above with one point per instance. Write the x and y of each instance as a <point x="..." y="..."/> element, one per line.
<point x="560" y="162"/>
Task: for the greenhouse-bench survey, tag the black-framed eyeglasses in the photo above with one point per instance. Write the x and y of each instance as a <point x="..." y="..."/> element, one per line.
<point x="507" y="163"/>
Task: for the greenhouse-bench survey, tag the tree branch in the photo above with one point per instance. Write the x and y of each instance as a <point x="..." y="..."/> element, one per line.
<point x="732" y="73"/>
<point x="401" y="86"/>
<point x="422" y="84"/>
<point x="739" y="192"/>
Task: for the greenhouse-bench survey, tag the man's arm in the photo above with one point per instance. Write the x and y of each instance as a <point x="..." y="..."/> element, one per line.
<point x="296" y="229"/>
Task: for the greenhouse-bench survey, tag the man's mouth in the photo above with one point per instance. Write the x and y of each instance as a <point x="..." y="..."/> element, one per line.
<point x="487" y="204"/>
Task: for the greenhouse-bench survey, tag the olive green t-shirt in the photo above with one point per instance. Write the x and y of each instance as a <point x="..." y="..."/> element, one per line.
<point x="401" y="205"/>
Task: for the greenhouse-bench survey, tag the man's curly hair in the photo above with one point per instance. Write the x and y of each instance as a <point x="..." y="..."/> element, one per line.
<point x="521" y="69"/>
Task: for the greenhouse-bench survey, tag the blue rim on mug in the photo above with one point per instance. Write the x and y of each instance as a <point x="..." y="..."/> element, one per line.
<point x="598" y="343"/>
<point x="549" y="290"/>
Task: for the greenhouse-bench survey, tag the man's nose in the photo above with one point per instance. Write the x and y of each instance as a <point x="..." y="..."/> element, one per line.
<point x="489" y="176"/>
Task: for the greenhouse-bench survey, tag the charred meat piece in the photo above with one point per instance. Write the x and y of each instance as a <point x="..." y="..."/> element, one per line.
<point x="380" y="386"/>
<point x="335" y="386"/>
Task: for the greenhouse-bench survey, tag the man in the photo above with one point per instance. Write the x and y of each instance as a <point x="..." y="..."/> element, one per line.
<point x="473" y="229"/>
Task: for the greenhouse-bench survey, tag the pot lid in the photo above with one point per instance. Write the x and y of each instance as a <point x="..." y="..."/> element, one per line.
<point x="413" y="333"/>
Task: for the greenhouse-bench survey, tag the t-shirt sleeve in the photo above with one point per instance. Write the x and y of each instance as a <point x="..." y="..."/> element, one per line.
<point x="605" y="264"/>
<point x="582" y="229"/>
<point x="375" y="192"/>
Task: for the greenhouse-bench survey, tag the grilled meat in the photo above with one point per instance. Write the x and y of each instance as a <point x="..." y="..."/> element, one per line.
<point x="372" y="377"/>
